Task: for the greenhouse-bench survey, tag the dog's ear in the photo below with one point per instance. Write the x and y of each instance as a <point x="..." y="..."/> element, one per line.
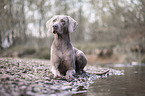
<point x="72" y="24"/>
<point x="49" y="24"/>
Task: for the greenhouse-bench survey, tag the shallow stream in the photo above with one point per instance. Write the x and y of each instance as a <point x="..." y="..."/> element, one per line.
<point x="130" y="83"/>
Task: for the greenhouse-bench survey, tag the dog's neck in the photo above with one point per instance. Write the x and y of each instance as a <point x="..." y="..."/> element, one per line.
<point x="62" y="39"/>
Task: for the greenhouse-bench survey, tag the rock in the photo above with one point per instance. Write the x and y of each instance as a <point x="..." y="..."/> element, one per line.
<point x="34" y="89"/>
<point x="30" y="77"/>
<point x="23" y="87"/>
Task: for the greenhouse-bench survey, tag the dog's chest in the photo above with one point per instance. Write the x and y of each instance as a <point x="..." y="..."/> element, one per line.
<point x="63" y="51"/>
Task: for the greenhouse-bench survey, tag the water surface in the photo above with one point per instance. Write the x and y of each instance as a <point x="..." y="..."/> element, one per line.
<point x="132" y="83"/>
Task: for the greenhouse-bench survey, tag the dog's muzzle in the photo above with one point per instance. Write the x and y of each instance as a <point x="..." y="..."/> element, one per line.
<point x="55" y="28"/>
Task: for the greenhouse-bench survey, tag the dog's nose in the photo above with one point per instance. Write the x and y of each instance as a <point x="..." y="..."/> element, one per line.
<point x="55" y="26"/>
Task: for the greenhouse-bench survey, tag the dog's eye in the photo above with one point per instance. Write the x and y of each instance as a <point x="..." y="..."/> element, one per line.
<point x="62" y="21"/>
<point x="54" y="20"/>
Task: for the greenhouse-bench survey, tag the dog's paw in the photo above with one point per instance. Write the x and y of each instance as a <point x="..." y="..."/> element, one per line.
<point x="70" y="73"/>
<point x="55" y="72"/>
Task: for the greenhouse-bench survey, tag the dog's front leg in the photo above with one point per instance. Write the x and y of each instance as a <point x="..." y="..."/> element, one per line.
<point x="69" y="73"/>
<point x="55" y="71"/>
<point x="70" y="64"/>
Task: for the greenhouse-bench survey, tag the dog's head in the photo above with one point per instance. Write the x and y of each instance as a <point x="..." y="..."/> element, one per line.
<point x="61" y="23"/>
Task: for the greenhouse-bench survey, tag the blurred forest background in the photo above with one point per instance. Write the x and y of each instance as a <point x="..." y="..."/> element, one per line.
<point x="109" y="31"/>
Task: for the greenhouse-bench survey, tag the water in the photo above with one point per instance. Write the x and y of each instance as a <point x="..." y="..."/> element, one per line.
<point x="132" y="83"/>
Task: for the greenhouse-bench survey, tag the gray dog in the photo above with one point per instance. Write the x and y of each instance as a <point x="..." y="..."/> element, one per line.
<point x="65" y="59"/>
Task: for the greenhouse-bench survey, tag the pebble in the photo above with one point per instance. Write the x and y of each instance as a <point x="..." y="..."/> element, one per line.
<point x="28" y="78"/>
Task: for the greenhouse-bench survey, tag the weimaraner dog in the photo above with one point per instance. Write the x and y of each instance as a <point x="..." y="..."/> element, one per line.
<point x="65" y="59"/>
